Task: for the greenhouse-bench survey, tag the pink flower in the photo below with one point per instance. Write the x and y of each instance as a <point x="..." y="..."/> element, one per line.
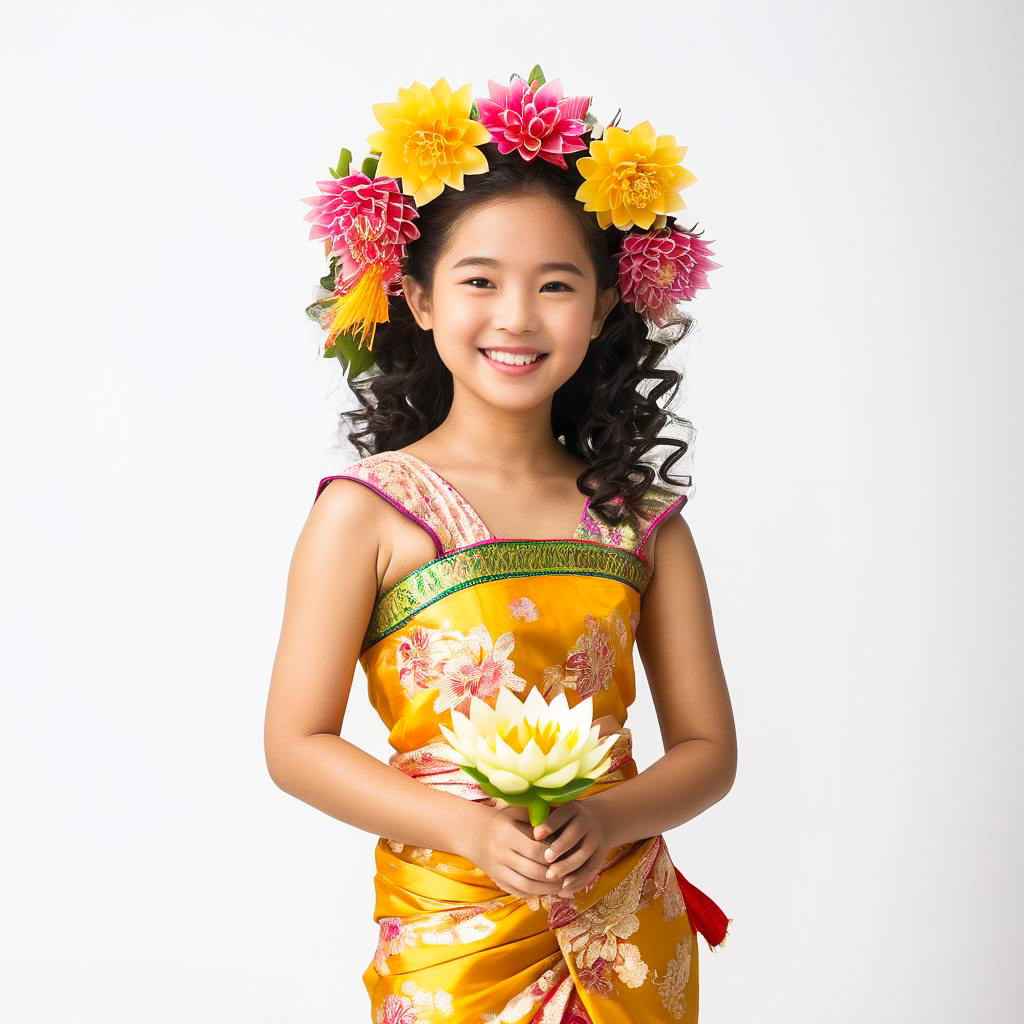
<point x="534" y="119"/>
<point x="367" y="221"/>
<point x="658" y="269"/>
<point x="397" y="1010"/>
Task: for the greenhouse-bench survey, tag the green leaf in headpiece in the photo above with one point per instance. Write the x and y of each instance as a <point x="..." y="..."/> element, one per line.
<point x="344" y="161"/>
<point x="316" y="310"/>
<point x="353" y="358"/>
<point x="328" y="281"/>
<point x="369" y="167"/>
<point x="474" y="113"/>
<point x="536" y="75"/>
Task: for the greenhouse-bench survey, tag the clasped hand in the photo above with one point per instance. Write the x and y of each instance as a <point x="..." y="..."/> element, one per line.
<point x="559" y="856"/>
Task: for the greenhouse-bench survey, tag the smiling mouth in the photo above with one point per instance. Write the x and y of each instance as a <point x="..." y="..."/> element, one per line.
<point x="514" y="358"/>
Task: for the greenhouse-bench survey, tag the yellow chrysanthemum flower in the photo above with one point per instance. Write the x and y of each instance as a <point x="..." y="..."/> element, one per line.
<point x="633" y="178"/>
<point x="428" y="139"/>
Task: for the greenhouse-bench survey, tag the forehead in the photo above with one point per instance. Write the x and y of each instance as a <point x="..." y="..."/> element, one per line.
<point x="519" y="232"/>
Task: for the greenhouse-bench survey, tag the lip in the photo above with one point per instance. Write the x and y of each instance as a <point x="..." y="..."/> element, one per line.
<point x="513" y="371"/>
<point x="521" y="350"/>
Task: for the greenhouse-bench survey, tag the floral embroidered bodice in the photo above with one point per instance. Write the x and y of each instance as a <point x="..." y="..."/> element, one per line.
<point x="559" y="614"/>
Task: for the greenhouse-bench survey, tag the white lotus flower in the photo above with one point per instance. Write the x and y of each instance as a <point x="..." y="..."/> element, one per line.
<point x="529" y="753"/>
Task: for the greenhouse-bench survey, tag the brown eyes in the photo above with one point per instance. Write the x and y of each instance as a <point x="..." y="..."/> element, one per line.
<point x="560" y="284"/>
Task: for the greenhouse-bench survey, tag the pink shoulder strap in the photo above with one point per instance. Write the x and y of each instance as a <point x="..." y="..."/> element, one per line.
<point x="631" y="532"/>
<point x="657" y="505"/>
<point x="419" y="495"/>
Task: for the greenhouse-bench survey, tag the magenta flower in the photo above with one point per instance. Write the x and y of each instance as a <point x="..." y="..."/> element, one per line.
<point x="365" y="221"/>
<point x="658" y="269"/>
<point x="534" y="119"/>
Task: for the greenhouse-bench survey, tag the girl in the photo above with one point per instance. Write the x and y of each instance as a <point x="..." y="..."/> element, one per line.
<point x="504" y="529"/>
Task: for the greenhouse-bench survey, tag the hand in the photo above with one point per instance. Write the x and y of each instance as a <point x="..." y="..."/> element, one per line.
<point x="502" y="845"/>
<point x="579" y="849"/>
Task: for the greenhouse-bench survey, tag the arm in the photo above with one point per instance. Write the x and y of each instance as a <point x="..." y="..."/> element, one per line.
<point x="679" y="651"/>
<point x="332" y="585"/>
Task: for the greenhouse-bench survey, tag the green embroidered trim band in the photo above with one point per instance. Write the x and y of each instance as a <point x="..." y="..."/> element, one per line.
<point x="494" y="560"/>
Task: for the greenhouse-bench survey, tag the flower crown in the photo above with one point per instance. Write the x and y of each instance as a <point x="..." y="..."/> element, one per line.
<point x="429" y="139"/>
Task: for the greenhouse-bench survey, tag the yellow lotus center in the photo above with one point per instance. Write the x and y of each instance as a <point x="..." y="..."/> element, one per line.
<point x="638" y="185"/>
<point x="545" y="738"/>
<point x="428" y="146"/>
<point x="666" y="274"/>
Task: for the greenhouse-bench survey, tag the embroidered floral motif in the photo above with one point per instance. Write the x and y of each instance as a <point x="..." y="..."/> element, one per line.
<point x="416" y="853"/>
<point x="464" y="924"/>
<point x="613" y="621"/>
<point x="555" y="681"/>
<point x="596" y="938"/>
<point x="598" y="941"/>
<point x="479" y="667"/>
<point x="418" y="658"/>
<point x="662" y="885"/>
<point x="416" y="1006"/>
<point x="592" y="661"/>
<point x="590" y="665"/>
<point x="523" y="1002"/>
<point x="672" y="986"/>
<point x="397" y="1010"/>
<point x="577" y="1013"/>
<point x="523" y="608"/>
<point x="458" y="665"/>
<point x="392" y="938"/>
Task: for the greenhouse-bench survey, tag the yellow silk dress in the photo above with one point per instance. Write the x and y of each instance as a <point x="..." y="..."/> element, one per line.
<point x="559" y="615"/>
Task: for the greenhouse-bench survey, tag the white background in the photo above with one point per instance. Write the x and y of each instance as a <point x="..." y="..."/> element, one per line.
<point x="855" y="383"/>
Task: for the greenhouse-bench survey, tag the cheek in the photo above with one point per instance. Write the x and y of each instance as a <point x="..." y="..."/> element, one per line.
<point x="457" y="321"/>
<point x="569" y="323"/>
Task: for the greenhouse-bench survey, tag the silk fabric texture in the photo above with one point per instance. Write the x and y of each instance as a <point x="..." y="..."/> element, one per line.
<point x="560" y="615"/>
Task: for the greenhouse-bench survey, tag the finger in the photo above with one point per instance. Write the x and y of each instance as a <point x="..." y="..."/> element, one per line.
<point x="574" y="859"/>
<point x="527" y="847"/>
<point x="526" y="866"/>
<point x="566" y="841"/>
<point x="581" y="875"/>
<point x="526" y="886"/>
<point x="556" y="819"/>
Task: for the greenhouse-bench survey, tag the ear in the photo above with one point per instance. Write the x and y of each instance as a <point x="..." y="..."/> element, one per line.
<point x="417" y="302"/>
<point x="605" y="304"/>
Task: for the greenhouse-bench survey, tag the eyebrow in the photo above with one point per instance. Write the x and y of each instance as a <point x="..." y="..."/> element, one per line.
<point x="486" y="261"/>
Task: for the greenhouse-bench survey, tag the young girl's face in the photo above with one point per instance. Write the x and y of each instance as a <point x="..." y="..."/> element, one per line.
<point x="515" y="275"/>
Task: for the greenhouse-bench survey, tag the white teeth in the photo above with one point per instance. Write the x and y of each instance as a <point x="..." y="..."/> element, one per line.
<point x="513" y="359"/>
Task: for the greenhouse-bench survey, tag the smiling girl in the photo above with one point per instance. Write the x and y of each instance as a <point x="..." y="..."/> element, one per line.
<point x="504" y="283"/>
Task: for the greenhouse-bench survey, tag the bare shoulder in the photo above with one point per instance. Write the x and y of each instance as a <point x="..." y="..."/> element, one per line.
<point x="674" y="542"/>
<point x="345" y="525"/>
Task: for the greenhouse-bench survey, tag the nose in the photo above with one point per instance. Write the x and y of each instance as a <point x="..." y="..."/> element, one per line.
<point x="515" y="311"/>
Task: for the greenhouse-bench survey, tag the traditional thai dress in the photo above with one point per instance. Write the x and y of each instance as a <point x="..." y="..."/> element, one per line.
<point x="559" y="615"/>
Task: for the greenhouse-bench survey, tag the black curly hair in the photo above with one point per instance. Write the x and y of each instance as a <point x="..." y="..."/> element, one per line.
<point x="605" y="414"/>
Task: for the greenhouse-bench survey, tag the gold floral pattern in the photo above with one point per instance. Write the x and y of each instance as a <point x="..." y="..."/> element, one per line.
<point x="523" y="608"/>
<point x="589" y="666"/>
<point x="462" y="925"/>
<point x="674" y="984"/>
<point x="597" y="937"/>
<point x="414" y="1006"/>
<point x="592" y="660"/>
